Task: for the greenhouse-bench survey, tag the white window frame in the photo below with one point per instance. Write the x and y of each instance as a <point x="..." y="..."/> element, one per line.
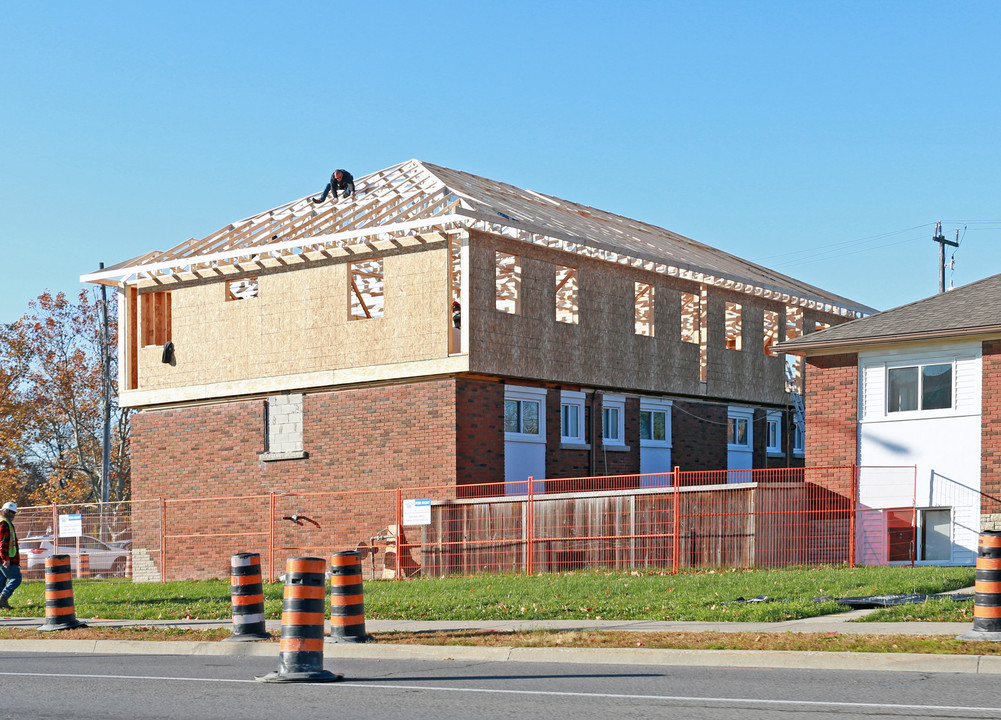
<point x="745" y="415"/>
<point x="523" y="395"/>
<point x="575" y="400"/>
<point x="798" y="439"/>
<point x="618" y="404"/>
<point x="919" y="366"/>
<point x="656" y="405"/>
<point x="773" y="422"/>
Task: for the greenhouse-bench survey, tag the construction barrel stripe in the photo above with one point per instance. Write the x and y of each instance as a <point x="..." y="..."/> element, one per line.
<point x="60" y="612"/>
<point x="247" y="595"/>
<point x="347" y="598"/>
<point x="987" y="596"/>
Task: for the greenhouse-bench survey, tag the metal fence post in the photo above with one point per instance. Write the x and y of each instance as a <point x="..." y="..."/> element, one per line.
<point x="529" y="531"/>
<point x="399" y="533"/>
<point x="851" y="520"/>
<point x="271" y="537"/>
<point x="163" y="540"/>
<point x="677" y="520"/>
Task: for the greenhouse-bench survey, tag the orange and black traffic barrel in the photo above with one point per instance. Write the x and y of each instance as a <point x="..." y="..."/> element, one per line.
<point x="60" y="613"/>
<point x="987" y="597"/>
<point x="347" y="598"/>
<point x="300" y="655"/>
<point x="83" y="565"/>
<point x="247" y="594"/>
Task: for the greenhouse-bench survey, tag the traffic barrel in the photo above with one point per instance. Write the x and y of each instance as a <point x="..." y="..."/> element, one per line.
<point x="347" y="598"/>
<point x="300" y="655"/>
<point x="60" y="613"/>
<point x="83" y="565"/>
<point x="987" y="587"/>
<point x="128" y="564"/>
<point x="247" y="594"/>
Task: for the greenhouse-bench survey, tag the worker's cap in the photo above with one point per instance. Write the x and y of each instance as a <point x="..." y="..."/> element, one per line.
<point x="455" y="304"/>
<point x="9" y="506"/>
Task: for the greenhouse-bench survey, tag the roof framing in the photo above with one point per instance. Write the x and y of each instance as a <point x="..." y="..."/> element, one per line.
<point x="415" y="198"/>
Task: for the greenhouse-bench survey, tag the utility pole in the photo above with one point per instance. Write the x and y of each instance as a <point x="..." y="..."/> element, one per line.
<point x="106" y="382"/>
<point x="942" y="242"/>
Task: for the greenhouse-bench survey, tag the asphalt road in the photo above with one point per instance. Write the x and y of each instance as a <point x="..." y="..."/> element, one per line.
<point x="145" y="687"/>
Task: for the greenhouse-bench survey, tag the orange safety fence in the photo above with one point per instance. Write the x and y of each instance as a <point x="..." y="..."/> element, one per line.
<point x="669" y="522"/>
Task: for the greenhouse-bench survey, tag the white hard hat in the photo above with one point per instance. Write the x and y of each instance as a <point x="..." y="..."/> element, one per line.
<point x="9" y="506"/>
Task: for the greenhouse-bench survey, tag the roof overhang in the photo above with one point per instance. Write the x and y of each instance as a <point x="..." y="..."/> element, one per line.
<point x="827" y="347"/>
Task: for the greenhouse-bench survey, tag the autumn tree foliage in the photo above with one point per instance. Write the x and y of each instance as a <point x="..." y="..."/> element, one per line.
<point x="52" y="385"/>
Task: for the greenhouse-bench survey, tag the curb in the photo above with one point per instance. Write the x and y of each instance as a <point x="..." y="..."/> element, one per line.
<point x="883" y="662"/>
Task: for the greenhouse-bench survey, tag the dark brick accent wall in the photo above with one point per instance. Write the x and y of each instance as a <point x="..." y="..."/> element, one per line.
<point x="990" y="437"/>
<point x="698" y="436"/>
<point x="479" y="432"/>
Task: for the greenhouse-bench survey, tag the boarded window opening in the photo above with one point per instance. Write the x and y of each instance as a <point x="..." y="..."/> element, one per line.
<point x="366" y="288"/>
<point x="508" y="283"/>
<point x="242" y="289"/>
<point x="643" y="309"/>
<point x="733" y="326"/>
<point x="771" y="331"/>
<point x="566" y="295"/>
<point x="155" y="318"/>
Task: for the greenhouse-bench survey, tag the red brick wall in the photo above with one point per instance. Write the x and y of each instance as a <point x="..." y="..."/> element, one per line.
<point x="990" y="438"/>
<point x="832" y="415"/>
<point x="562" y="463"/>
<point x="698" y="436"/>
<point x="479" y="428"/>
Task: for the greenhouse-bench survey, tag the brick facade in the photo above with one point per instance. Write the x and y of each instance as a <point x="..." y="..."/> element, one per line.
<point x="990" y="436"/>
<point x="698" y="434"/>
<point x="832" y="415"/>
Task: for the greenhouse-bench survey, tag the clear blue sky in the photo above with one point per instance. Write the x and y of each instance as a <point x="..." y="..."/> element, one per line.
<point x="823" y="139"/>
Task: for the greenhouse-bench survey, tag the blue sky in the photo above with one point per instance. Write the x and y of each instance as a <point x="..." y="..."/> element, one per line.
<point x="823" y="139"/>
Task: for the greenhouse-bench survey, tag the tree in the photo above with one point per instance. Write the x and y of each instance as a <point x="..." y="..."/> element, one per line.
<point x="61" y="395"/>
<point x="14" y="412"/>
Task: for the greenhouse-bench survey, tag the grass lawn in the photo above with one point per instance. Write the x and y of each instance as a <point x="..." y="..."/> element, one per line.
<point x="704" y="596"/>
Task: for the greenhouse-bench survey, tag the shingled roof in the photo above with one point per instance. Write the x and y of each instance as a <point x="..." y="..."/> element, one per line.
<point x="973" y="309"/>
<point x="418" y="197"/>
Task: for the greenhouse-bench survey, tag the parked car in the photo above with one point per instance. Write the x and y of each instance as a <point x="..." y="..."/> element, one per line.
<point x="102" y="557"/>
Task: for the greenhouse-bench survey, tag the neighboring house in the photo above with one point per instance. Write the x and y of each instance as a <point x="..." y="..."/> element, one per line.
<point x="318" y="347"/>
<point x="915" y="385"/>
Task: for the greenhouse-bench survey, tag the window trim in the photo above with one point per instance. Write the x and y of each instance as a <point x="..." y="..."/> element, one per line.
<point x="656" y="405"/>
<point x="773" y="417"/>
<point x="572" y="398"/>
<point x="527" y="394"/>
<point x="614" y="402"/>
<point x="747" y="416"/>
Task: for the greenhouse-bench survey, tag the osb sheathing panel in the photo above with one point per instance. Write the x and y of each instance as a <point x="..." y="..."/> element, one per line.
<point x="603" y="349"/>
<point x="299" y="323"/>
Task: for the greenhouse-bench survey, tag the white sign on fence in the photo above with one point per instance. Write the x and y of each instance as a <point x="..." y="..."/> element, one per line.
<point x="71" y="525"/>
<point x="417" y="511"/>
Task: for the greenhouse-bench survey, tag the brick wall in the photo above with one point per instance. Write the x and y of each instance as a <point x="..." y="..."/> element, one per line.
<point x="990" y="436"/>
<point x="832" y="414"/>
<point x="698" y="436"/>
<point x="479" y="432"/>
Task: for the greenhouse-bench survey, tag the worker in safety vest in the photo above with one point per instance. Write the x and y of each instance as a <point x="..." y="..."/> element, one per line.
<point x="10" y="558"/>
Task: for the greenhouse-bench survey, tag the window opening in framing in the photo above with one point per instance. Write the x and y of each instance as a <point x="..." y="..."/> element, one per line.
<point x="508" y="277"/>
<point x="794" y="329"/>
<point x="693" y="325"/>
<point x="242" y="289"/>
<point x="366" y="288"/>
<point x="643" y="309"/>
<point x="155" y="318"/>
<point x="733" y="326"/>
<point x="566" y="295"/>
<point x="455" y="294"/>
<point x="771" y="331"/>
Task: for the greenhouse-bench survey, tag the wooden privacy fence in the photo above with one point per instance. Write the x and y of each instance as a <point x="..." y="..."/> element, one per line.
<point x="667" y="521"/>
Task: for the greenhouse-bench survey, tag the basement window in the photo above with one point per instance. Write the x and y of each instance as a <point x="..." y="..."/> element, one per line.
<point x="643" y="309"/>
<point x="733" y="326"/>
<point x="155" y="318"/>
<point x="242" y="289"/>
<point x="566" y="295"/>
<point x="771" y="331"/>
<point x="508" y="276"/>
<point x="367" y="293"/>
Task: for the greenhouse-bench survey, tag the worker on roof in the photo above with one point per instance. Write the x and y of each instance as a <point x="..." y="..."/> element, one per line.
<point x="340" y="181"/>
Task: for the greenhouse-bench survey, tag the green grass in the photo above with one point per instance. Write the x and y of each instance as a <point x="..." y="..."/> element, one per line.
<point x="931" y="611"/>
<point x="705" y="596"/>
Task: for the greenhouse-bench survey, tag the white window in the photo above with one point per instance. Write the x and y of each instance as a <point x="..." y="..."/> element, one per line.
<point x="798" y="439"/>
<point x="655" y="422"/>
<point x="773" y="433"/>
<point x="524" y="413"/>
<point x="738" y="433"/>
<point x="613" y="414"/>
<point x="919" y="387"/>
<point x="572" y="417"/>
